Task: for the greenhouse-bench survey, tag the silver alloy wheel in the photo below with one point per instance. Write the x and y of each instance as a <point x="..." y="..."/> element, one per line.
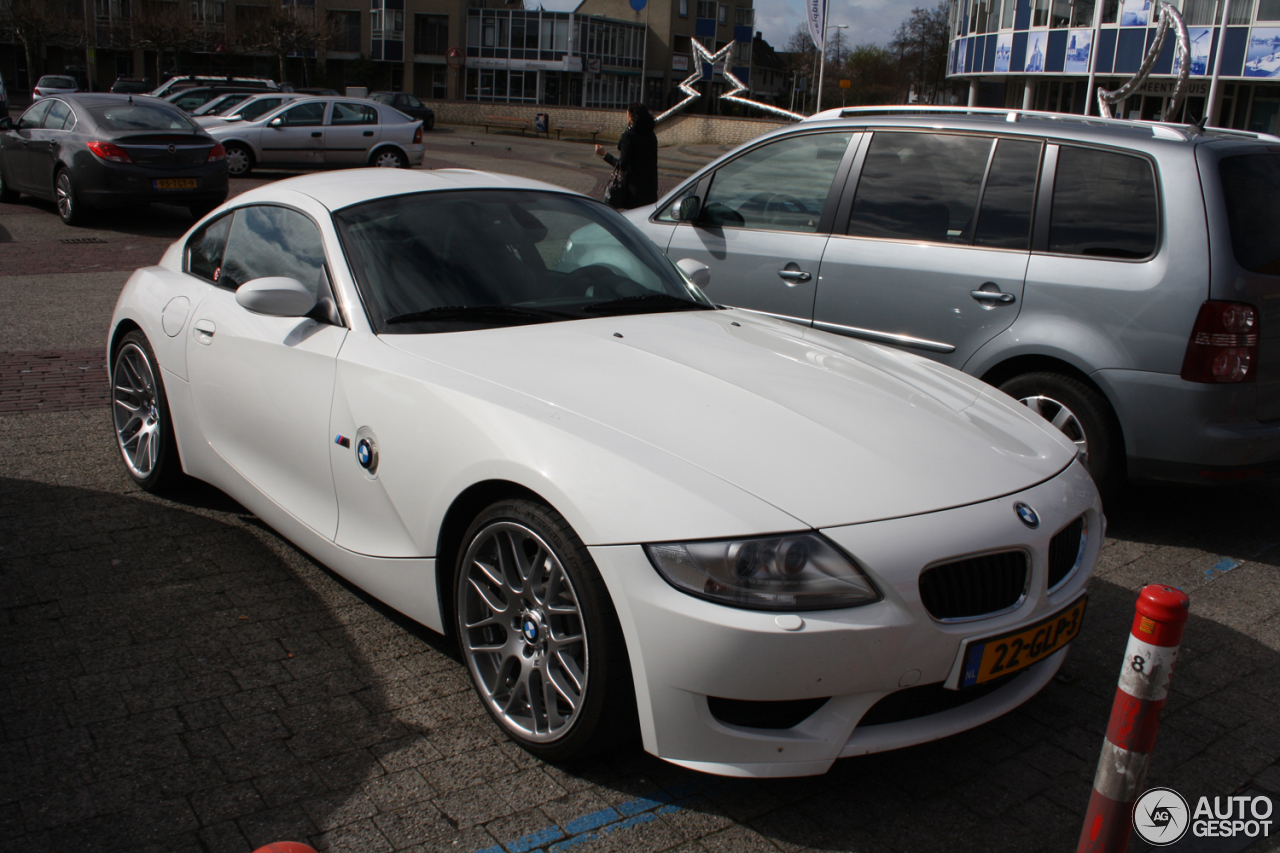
<point x="237" y="160"/>
<point x="387" y="160"/>
<point x="64" y="194"/>
<point x="135" y="407"/>
<point x="1061" y="417"/>
<point x="522" y="631"/>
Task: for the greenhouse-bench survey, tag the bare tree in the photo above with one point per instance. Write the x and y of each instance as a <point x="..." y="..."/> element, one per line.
<point x="161" y="26"/>
<point x="287" y="29"/>
<point x="36" y="24"/>
<point x="921" y="47"/>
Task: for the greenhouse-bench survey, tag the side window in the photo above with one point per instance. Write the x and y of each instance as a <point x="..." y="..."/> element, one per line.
<point x="353" y="114"/>
<point x="267" y="240"/>
<point x="34" y="117"/>
<point x="411" y="102"/>
<point x="304" y="115"/>
<point x="781" y="186"/>
<point x="1009" y="198"/>
<point x="1104" y="205"/>
<point x="57" y="116"/>
<point x="920" y="186"/>
<point x="258" y="108"/>
<point x="204" y="249"/>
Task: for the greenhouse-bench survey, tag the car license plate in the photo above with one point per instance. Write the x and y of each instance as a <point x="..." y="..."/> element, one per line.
<point x="992" y="657"/>
<point x="176" y="184"/>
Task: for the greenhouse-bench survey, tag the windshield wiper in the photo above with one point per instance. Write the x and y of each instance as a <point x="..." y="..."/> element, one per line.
<point x="644" y="304"/>
<point x="477" y="313"/>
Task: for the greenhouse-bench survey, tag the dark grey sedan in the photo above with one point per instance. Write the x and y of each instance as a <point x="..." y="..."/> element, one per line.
<point x="84" y="151"/>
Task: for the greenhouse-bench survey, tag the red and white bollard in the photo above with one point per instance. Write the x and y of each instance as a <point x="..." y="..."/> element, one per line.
<point x="1135" y="716"/>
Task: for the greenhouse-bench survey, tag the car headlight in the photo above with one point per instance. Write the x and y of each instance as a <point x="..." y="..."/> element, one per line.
<point x="798" y="572"/>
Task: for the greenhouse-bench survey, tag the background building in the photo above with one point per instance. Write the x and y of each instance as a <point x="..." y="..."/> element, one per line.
<point x="1039" y="54"/>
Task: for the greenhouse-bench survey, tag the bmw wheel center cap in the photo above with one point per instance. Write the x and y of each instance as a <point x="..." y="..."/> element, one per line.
<point x="530" y="629"/>
<point x="1027" y="515"/>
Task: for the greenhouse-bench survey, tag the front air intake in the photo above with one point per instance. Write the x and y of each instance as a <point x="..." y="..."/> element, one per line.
<point x="974" y="587"/>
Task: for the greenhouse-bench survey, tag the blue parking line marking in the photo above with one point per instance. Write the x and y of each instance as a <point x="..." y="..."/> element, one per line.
<point x="600" y="823"/>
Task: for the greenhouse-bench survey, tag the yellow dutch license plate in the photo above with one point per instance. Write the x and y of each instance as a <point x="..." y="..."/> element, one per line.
<point x="992" y="657"/>
<point x="176" y="183"/>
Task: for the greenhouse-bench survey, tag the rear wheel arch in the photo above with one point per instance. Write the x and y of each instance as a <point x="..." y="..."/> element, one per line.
<point x="386" y="148"/>
<point x="124" y="328"/>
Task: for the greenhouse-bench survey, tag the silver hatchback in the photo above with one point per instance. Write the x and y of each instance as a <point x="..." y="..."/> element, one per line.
<point x="1121" y="278"/>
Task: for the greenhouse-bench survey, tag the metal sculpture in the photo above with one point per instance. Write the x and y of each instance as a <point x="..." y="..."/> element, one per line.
<point x="701" y="55"/>
<point x="1168" y="15"/>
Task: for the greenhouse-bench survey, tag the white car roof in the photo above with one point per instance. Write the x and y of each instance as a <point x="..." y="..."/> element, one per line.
<point x="339" y="189"/>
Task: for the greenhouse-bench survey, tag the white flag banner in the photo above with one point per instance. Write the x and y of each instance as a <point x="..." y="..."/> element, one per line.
<point x="817" y="20"/>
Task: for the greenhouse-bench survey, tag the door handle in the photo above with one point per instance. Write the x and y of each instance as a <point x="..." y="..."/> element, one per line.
<point x="992" y="295"/>
<point x="203" y="331"/>
<point x="317" y="134"/>
<point x="368" y="133"/>
<point x="792" y="274"/>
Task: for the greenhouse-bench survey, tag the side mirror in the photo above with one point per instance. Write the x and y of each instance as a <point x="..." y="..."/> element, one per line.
<point x="688" y="208"/>
<point x="698" y="272"/>
<point x="276" y="296"/>
<point x="6" y="123"/>
<point x="278" y="121"/>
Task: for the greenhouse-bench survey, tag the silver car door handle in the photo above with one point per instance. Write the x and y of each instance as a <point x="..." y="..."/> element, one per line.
<point x="317" y="134"/>
<point x="368" y="133"/>
<point x="794" y="275"/>
<point x="203" y="331"/>
<point x="992" y="296"/>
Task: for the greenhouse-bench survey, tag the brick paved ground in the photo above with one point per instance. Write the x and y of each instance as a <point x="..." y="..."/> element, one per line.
<point x="175" y="677"/>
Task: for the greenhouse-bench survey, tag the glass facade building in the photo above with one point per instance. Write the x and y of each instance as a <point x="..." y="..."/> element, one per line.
<point x="1040" y="54"/>
<point x="555" y="58"/>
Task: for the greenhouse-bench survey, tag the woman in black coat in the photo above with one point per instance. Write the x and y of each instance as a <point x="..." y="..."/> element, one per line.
<point x="637" y="160"/>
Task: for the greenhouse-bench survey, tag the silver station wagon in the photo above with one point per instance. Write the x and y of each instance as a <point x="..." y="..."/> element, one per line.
<point x="1121" y="278"/>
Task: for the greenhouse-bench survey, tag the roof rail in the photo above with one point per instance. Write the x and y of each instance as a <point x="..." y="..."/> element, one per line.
<point x="1011" y="115"/>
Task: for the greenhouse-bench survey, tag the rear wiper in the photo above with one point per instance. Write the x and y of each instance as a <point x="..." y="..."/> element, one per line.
<point x="644" y="304"/>
<point x="477" y="313"/>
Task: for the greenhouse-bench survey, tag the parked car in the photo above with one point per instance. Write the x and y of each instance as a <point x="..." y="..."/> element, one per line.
<point x="1112" y="275"/>
<point x="131" y="86"/>
<point x="316" y="91"/>
<point x="189" y="100"/>
<point x="191" y="81"/>
<point x="340" y="132"/>
<point x="409" y="105"/>
<point x="253" y="107"/>
<point x="85" y="151"/>
<point x="774" y="546"/>
<point x="4" y="98"/>
<point x="54" y="84"/>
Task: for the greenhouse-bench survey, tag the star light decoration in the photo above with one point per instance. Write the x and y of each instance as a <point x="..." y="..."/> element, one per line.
<point x="701" y="55"/>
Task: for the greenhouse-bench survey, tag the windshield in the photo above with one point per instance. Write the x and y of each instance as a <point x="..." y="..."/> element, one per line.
<point x="254" y="109"/>
<point x="140" y="117"/>
<point x="450" y="261"/>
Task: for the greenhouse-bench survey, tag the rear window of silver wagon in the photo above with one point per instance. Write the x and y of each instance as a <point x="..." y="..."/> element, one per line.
<point x="1251" y="187"/>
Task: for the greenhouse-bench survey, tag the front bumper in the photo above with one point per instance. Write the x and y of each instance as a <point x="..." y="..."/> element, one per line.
<point x="684" y="650"/>
<point x="1189" y="431"/>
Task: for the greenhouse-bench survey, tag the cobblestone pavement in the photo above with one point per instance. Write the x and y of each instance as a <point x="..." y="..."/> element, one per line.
<point x="175" y="677"/>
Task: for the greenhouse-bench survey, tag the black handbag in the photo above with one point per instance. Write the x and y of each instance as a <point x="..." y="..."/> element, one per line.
<point x="614" y="191"/>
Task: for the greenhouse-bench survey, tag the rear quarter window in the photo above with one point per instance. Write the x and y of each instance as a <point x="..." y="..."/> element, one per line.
<point x="1104" y="205"/>
<point x="1251" y="189"/>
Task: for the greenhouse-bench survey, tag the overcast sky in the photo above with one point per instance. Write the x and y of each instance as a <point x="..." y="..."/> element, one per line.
<point x="869" y="21"/>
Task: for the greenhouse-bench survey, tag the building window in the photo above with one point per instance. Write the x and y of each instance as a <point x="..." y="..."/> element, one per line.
<point x="707" y="9"/>
<point x="375" y="23"/>
<point x="684" y="8"/>
<point x="1040" y="13"/>
<point x="1060" y="14"/>
<point x="395" y="17"/>
<point x="1082" y="13"/>
<point x="724" y="14"/>
<point x="431" y="34"/>
<point x="346" y="30"/>
<point x="744" y="17"/>
<point x="1268" y="10"/>
<point x="207" y="11"/>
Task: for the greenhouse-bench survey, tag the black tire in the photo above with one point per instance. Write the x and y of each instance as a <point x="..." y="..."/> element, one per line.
<point x="140" y="416"/>
<point x="70" y="208"/>
<point x="8" y="195"/>
<point x="385" y="156"/>
<point x="1088" y="420"/>
<point x="239" y="160"/>
<point x="605" y="713"/>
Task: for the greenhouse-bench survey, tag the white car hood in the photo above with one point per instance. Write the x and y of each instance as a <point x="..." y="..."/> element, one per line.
<point x="829" y="430"/>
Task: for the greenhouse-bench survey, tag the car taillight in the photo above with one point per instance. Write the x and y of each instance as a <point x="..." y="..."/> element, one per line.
<point x="1223" y="345"/>
<point x="216" y="153"/>
<point x="108" y="151"/>
<point x="417" y="134"/>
